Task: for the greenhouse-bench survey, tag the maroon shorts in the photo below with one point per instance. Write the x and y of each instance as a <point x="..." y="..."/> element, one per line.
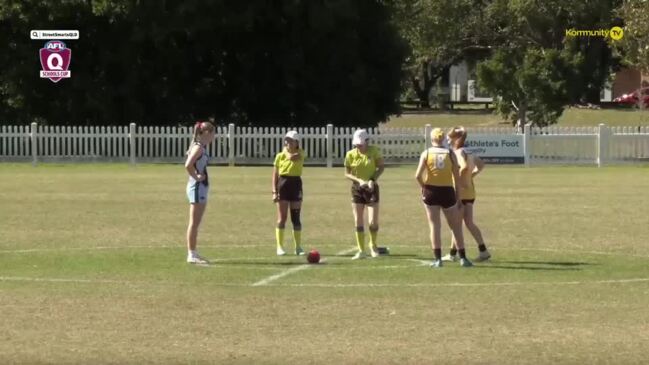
<point x="290" y="188"/>
<point x="443" y="196"/>
<point x="363" y="195"/>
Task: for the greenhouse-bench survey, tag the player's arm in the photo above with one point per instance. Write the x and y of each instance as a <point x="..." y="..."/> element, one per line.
<point x="275" y="178"/>
<point x="348" y="172"/>
<point x="194" y="154"/>
<point x="461" y="158"/>
<point x="296" y="156"/>
<point x="420" y="170"/>
<point x="350" y="176"/>
<point x="479" y="165"/>
<point x="456" y="177"/>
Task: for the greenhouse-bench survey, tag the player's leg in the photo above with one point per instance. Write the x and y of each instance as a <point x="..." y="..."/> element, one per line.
<point x="452" y="254"/>
<point x="434" y="224"/>
<point x="196" y="211"/>
<point x="296" y="208"/>
<point x="454" y="220"/>
<point x="373" y="220"/>
<point x="359" y="209"/>
<point x="476" y="233"/>
<point x="282" y="213"/>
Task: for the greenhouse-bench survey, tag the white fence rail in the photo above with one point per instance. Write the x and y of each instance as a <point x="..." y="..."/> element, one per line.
<point x="323" y="145"/>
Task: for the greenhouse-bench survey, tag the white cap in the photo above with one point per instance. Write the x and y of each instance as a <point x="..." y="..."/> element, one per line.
<point x="360" y="136"/>
<point x="292" y="135"/>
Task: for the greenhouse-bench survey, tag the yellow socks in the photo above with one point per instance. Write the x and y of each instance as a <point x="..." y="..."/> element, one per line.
<point x="373" y="234"/>
<point x="279" y="237"/>
<point x="360" y="238"/>
<point x="297" y="238"/>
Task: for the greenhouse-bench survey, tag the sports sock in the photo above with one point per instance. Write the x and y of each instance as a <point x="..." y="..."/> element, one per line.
<point x="482" y="248"/>
<point x="373" y="234"/>
<point x="453" y="251"/>
<point x="438" y="253"/>
<point x="279" y="237"/>
<point x="360" y="238"/>
<point x="297" y="238"/>
<point x="462" y="253"/>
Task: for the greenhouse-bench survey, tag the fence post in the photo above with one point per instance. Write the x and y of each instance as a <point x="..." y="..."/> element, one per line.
<point x="231" y="144"/>
<point x="602" y="144"/>
<point x="131" y="141"/>
<point x="527" y="135"/>
<point x="330" y="144"/>
<point x="427" y="131"/>
<point x="33" y="137"/>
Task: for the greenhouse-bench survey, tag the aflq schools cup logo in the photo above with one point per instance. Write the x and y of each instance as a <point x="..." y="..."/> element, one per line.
<point x="55" y="60"/>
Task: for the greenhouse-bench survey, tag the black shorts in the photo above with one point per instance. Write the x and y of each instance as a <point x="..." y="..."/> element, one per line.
<point x="290" y="188"/>
<point x="468" y="201"/>
<point x="364" y="195"/>
<point x="443" y="196"/>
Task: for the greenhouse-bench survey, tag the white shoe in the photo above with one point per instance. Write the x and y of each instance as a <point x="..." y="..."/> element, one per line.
<point x="437" y="264"/>
<point x="449" y="257"/>
<point x="280" y="251"/>
<point x="374" y="252"/>
<point x="483" y="256"/>
<point x="359" y="255"/>
<point x="196" y="259"/>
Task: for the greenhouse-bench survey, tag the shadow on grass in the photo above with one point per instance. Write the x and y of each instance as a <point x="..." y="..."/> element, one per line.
<point x="535" y="265"/>
<point x="531" y="268"/>
<point x="554" y="263"/>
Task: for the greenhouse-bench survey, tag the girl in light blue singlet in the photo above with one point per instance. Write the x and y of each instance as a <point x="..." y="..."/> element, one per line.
<point x="197" y="185"/>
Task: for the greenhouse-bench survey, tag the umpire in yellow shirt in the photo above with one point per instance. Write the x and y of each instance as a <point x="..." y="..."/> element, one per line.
<point x="287" y="190"/>
<point x="363" y="166"/>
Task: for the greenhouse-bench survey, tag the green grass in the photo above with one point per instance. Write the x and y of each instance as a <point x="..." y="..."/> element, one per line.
<point x="482" y="118"/>
<point x="92" y="271"/>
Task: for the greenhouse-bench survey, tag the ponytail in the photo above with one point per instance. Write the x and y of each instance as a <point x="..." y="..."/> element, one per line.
<point x="199" y="128"/>
<point x="458" y="137"/>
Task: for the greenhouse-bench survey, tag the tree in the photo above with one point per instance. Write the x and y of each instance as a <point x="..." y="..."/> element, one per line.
<point x="635" y="42"/>
<point x="440" y="33"/>
<point x="252" y="62"/>
<point x="539" y="69"/>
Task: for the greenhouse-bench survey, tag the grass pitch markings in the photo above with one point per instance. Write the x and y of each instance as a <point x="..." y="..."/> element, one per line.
<point x="330" y="285"/>
<point x="292" y="270"/>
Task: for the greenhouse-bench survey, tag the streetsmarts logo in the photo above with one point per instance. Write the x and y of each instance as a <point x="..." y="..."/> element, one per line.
<point x="616" y="33"/>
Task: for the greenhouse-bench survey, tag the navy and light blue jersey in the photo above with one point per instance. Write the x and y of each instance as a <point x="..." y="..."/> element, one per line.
<point x="201" y="166"/>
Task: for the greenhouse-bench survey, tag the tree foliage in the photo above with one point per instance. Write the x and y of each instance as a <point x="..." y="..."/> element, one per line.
<point x="163" y="62"/>
<point x="635" y="43"/>
<point x="440" y="33"/>
<point x="539" y="69"/>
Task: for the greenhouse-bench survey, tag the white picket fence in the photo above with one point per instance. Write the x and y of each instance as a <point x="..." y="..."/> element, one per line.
<point x="323" y="145"/>
<point x="588" y="145"/>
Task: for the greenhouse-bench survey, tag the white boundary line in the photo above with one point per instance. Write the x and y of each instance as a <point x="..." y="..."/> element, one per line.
<point x="107" y="248"/>
<point x="269" y="280"/>
<point x="151" y="247"/>
<point x="292" y="270"/>
<point x="325" y="285"/>
<point x="435" y="285"/>
<point x="62" y="280"/>
<point x="421" y="262"/>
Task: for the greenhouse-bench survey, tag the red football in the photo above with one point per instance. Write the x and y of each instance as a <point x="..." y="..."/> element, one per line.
<point x="313" y="257"/>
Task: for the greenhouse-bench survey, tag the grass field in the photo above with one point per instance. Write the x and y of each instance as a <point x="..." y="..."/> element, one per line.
<point x="482" y="118"/>
<point x="92" y="271"/>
